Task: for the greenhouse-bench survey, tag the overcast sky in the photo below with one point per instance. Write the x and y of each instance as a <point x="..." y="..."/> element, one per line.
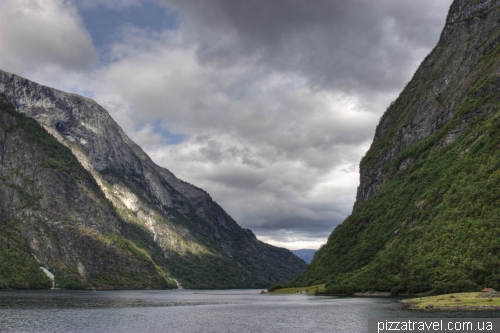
<point x="268" y="105"/>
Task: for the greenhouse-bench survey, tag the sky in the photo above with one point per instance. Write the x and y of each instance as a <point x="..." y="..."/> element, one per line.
<point x="268" y="105"/>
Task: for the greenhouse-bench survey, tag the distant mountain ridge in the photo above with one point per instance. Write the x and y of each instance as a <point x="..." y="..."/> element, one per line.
<point x="305" y="254"/>
<point x="426" y="217"/>
<point x="171" y="224"/>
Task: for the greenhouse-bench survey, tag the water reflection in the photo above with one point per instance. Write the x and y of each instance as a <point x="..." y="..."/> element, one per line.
<point x="195" y="311"/>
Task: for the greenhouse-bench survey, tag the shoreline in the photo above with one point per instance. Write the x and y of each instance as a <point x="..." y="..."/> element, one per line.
<point x="372" y="294"/>
<point x="470" y="301"/>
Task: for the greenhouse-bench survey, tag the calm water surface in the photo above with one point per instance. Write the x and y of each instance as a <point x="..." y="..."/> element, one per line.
<point x="195" y="311"/>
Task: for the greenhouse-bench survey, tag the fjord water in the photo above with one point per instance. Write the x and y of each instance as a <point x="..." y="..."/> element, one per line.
<point x="195" y="311"/>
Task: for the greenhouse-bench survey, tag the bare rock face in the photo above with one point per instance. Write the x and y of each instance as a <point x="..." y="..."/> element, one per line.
<point x="52" y="208"/>
<point x="426" y="103"/>
<point x="201" y="245"/>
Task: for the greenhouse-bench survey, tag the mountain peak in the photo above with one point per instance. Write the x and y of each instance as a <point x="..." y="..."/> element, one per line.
<point x="178" y="226"/>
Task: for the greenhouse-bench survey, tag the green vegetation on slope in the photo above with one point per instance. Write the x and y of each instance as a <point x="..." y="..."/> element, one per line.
<point x="207" y="262"/>
<point x="18" y="268"/>
<point x="32" y="158"/>
<point x="434" y="225"/>
<point x="109" y="246"/>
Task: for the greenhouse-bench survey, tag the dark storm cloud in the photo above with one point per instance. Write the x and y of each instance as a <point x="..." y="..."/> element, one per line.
<point x="277" y="100"/>
<point x="268" y="105"/>
<point x="360" y="45"/>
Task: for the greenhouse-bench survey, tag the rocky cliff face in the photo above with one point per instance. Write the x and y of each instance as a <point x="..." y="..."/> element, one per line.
<point x="426" y="213"/>
<point x="52" y="208"/>
<point x="201" y="245"/>
<point x="436" y="90"/>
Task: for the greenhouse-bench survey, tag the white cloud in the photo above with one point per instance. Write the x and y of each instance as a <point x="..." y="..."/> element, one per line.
<point x="37" y="35"/>
<point x="292" y="242"/>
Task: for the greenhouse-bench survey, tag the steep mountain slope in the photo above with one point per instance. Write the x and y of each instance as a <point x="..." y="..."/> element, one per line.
<point x="427" y="211"/>
<point x="52" y="211"/>
<point x="200" y="244"/>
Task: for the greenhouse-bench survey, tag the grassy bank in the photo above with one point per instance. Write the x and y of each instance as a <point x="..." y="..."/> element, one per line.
<point x="457" y="301"/>
<point x="313" y="290"/>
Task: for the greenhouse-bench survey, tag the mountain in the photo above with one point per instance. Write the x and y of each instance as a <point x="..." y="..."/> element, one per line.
<point x="305" y="254"/>
<point x="90" y="206"/>
<point x="427" y="211"/>
<point x="53" y="214"/>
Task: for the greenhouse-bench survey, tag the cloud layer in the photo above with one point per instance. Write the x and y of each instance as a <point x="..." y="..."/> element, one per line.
<point x="353" y="46"/>
<point x="36" y="34"/>
<point x="268" y="105"/>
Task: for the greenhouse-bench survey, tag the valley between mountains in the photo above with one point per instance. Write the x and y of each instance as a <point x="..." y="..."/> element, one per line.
<point x="85" y="202"/>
